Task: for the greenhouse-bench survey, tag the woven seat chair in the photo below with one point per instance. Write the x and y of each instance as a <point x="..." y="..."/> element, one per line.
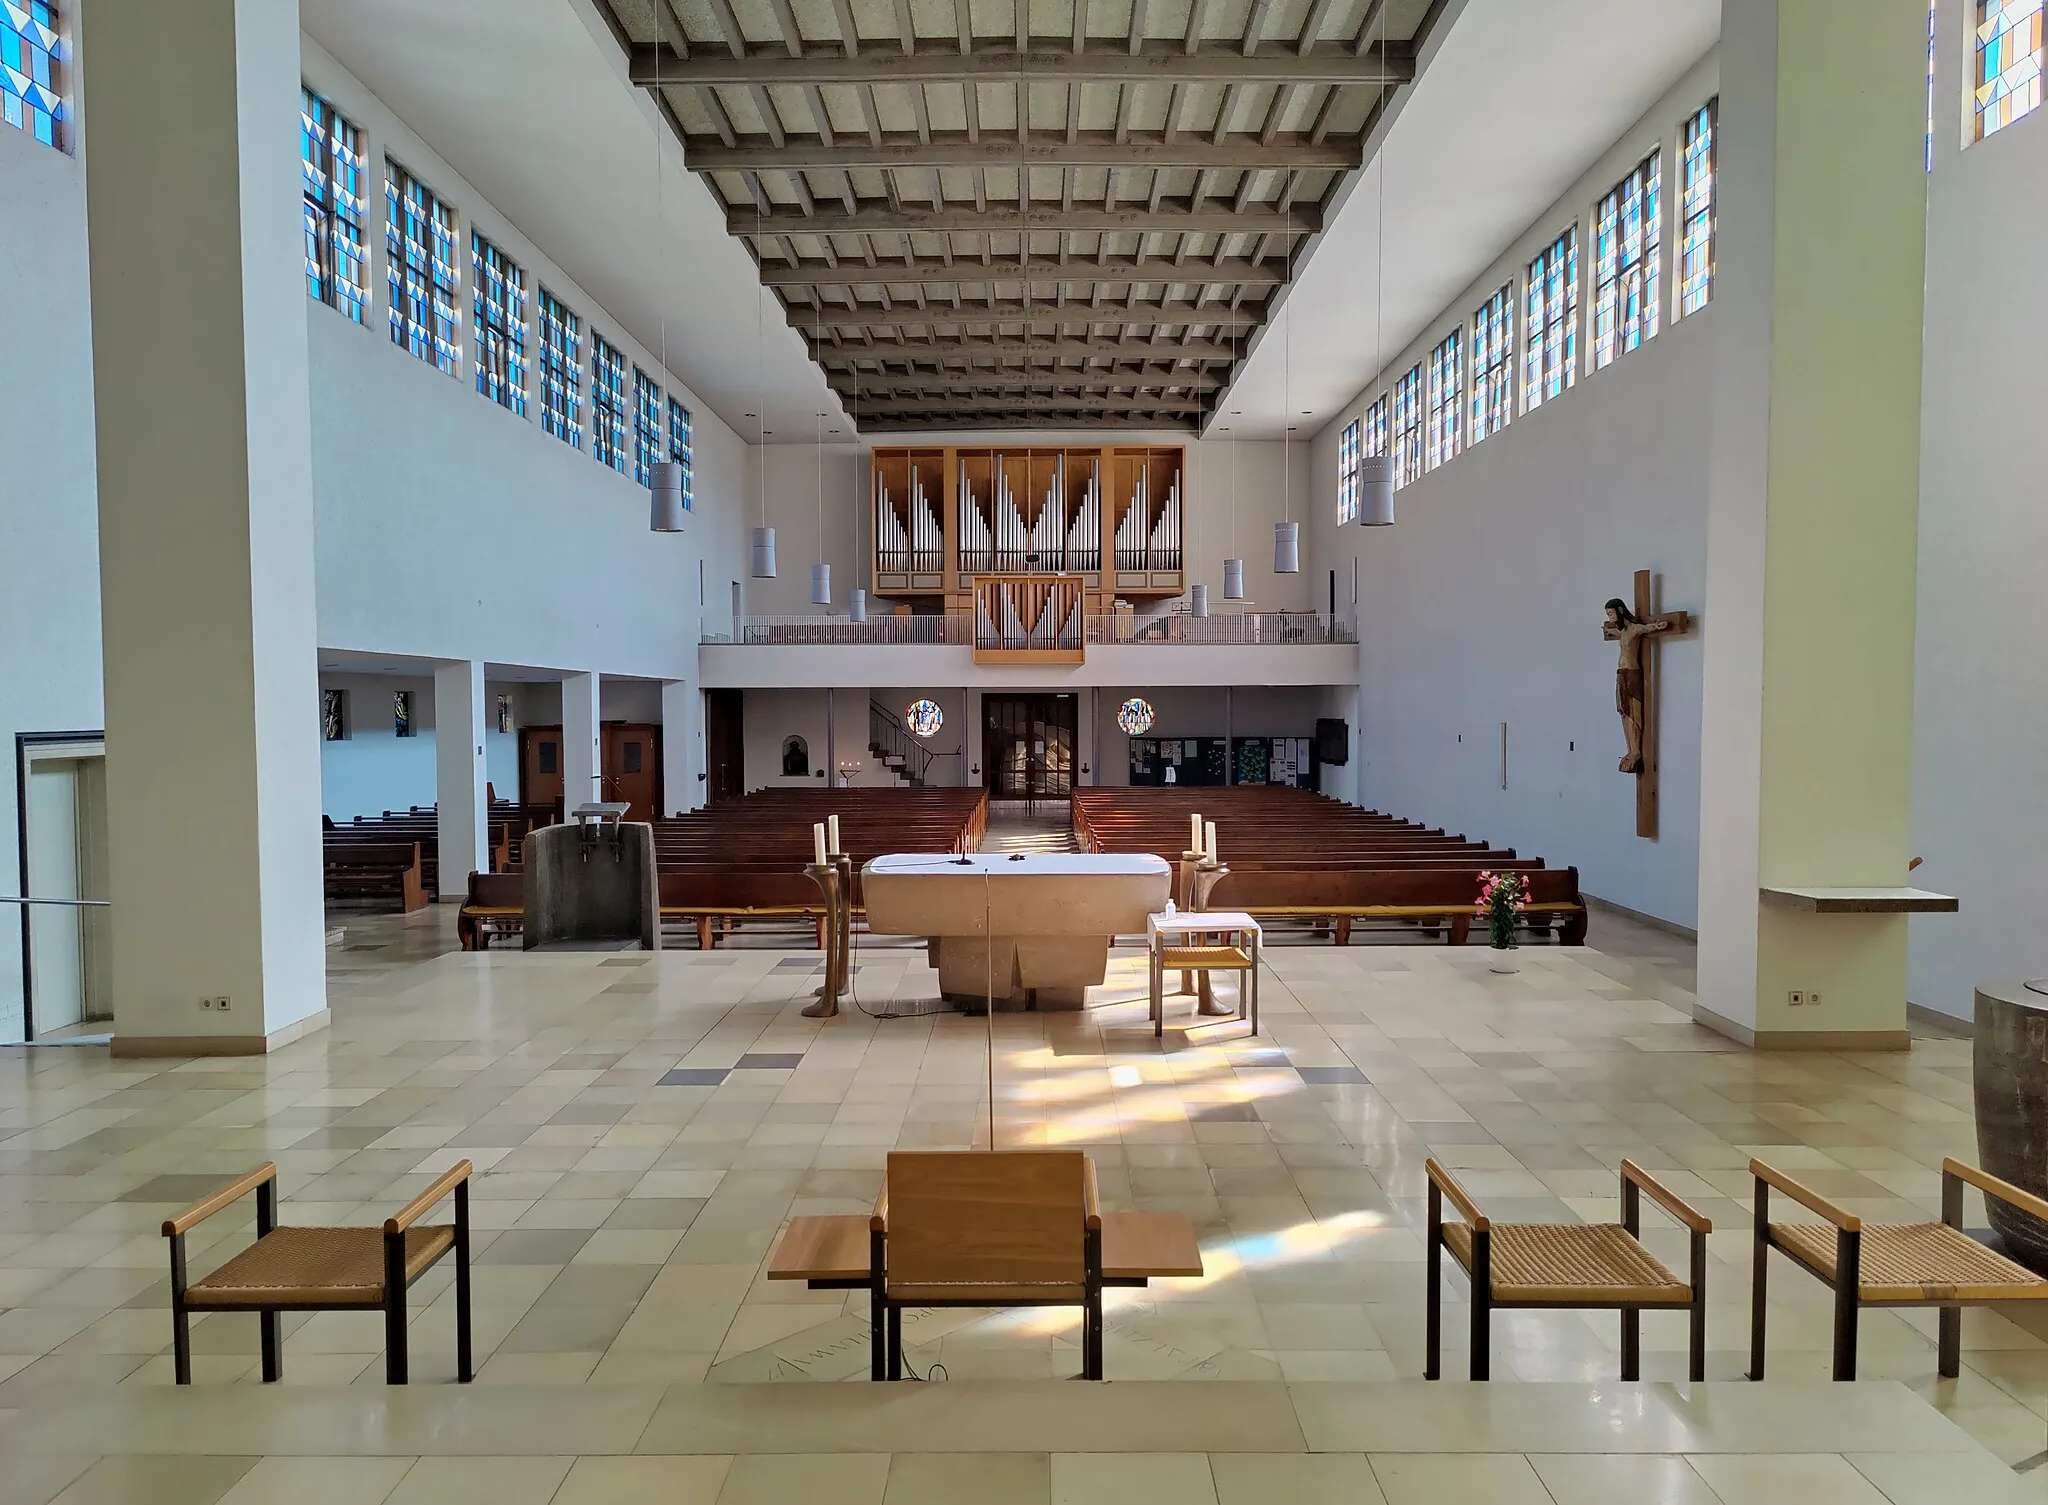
<point x="1573" y="1266"/>
<point x="322" y="1270"/>
<point x="1891" y="1264"/>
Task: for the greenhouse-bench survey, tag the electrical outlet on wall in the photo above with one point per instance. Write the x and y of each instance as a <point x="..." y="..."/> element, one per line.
<point x="216" y="1005"/>
<point x="1797" y="997"/>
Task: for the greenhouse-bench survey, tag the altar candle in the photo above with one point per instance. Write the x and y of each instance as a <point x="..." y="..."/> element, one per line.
<point x="832" y="834"/>
<point x="1210" y="849"/>
<point x="1195" y="834"/>
<point x="818" y="845"/>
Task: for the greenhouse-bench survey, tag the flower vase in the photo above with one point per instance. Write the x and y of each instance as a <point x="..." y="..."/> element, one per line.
<point x="1501" y="959"/>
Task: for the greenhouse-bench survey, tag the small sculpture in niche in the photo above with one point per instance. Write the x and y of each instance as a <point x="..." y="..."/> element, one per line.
<point x="796" y="758"/>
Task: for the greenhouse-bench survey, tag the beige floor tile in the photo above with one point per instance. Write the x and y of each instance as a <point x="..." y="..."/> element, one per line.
<point x="643" y="1481"/>
<point x="481" y="1481"/>
<point x="1610" y="1479"/>
<point x="318" y="1481"/>
<point x="982" y="1478"/>
<point x="134" y="1480"/>
<point x="1787" y="1479"/>
<point x="815" y="1479"/>
<point x="1295" y="1479"/>
<point x="1468" y="1478"/>
<point x="1132" y="1479"/>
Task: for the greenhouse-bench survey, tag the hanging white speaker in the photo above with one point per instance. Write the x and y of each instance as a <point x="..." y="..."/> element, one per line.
<point x="821" y="585"/>
<point x="1233" y="579"/>
<point x="665" y="489"/>
<point x="1376" y="491"/>
<point x="1287" y="548"/>
<point x="857" y="606"/>
<point x="763" y="562"/>
<point x="1199" y="601"/>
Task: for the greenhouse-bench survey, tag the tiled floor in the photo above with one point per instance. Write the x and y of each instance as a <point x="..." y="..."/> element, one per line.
<point x="620" y="1309"/>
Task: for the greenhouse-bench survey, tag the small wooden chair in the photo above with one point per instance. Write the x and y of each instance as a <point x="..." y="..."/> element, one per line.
<point x="996" y="1228"/>
<point x="322" y="1270"/>
<point x="1574" y="1266"/>
<point x="1891" y="1264"/>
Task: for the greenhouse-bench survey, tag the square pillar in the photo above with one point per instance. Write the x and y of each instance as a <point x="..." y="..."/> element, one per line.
<point x="1812" y="526"/>
<point x="582" y="760"/>
<point x="460" y="776"/>
<point x="206" y="524"/>
<point x="682" y="747"/>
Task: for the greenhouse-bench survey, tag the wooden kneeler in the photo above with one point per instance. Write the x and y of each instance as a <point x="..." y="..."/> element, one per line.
<point x="1891" y="1264"/>
<point x="1573" y="1266"/>
<point x="322" y="1270"/>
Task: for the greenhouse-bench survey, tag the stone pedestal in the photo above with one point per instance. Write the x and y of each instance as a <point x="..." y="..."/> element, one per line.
<point x="2011" y="1079"/>
<point x="591" y="882"/>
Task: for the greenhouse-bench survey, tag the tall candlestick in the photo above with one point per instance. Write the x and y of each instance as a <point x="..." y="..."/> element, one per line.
<point x="818" y="845"/>
<point x="1195" y="834"/>
<point x="832" y="834"/>
<point x="1210" y="848"/>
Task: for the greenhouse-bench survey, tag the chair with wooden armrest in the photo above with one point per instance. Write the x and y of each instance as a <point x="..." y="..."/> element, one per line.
<point x="1575" y="1266"/>
<point x="1891" y="1264"/>
<point x="996" y="1228"/>
<point x="322" y="1270"/>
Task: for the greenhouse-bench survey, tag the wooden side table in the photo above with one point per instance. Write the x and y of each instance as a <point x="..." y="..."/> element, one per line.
<point x="1217" y="941"/>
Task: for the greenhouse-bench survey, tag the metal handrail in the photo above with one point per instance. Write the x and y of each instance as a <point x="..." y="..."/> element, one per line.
<point x="73" y="903"/>
<point x="1288" y="629"/>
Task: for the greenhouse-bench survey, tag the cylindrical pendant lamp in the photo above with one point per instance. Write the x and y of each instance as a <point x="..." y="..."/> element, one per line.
<point x="821" y="584"/>
<point x="665" y="514"/>
<point x="1233" y="579"/>
<point x="1376" y="491"/>
<point x="1199" y="603"/>
<point x="1287" y="548"/>
<point x="857" y="606"/>
<point x="764" y="554"/>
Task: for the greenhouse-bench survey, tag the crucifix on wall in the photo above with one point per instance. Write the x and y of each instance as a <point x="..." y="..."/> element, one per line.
<point x="1638" y="630"/>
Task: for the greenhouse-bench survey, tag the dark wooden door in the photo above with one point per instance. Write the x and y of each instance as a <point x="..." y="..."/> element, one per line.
<point x="632" y="767"/>
<point x="1027" y="745"/>
<point x="540" y="766"/>
<point x="725" y="745"/>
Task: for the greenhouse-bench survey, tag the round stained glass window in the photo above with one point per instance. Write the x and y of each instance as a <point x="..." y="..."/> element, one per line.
<point x="924" y="718"/>
<point x="1135" y="717"/>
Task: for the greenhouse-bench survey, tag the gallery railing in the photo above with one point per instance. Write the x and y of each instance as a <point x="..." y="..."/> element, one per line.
<point x="1251" y="629"/>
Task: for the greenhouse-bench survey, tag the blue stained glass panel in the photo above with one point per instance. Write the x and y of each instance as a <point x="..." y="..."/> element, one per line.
<point x="32" y="57"/>
<point x="679" y="448"/>
<point x="561" y="371"/>
<point x="2008" y="62"/>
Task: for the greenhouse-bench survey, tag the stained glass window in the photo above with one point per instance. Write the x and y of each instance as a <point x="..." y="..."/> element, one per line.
<point x="647" y="438"/>
<point x="1347" y="471"/>
<point x="500" y="319"/>
<point x="32" y="70"/>
<point x="1493" y="364"/>
<point x="561" y="371"/>
<point x="1375" y="442"/>
<point x="1628" y="228"/>
<point x="2008" y="62"/>
<point x="331" y="151"/>
<point x="1552" y="337"/>
<point x="419" y="235"/>
<point x="607" y="403"/>
<point x="1407" y="435"/>
<point x="1446" y="398"/>
<point x="1696" y="210"/>
<point x="1933" y="30"/>
<point x="679" y="448"/>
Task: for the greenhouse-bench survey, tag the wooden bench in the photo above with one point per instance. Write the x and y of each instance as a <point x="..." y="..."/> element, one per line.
<point x="495" y="905"/>
<point x="1891" y="1264"/>
<point x="1574" y="1266"/>
<point x="988" y="1228"/>
<point x="322" y="1270"/>
<point x="374" y="869"/>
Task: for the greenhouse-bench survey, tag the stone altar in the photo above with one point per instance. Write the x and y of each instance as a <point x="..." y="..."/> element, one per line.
<point x="1030" y="928"/>
<point x="591" y="881"/>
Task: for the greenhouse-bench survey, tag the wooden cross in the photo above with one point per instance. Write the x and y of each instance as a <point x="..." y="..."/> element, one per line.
<point x="1638" y="630"/>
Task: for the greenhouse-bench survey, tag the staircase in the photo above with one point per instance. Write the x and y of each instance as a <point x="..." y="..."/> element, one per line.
<point x="895" y="748"/>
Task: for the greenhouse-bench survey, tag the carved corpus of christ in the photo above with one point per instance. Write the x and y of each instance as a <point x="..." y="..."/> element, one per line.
<point x="1635" y="629"/>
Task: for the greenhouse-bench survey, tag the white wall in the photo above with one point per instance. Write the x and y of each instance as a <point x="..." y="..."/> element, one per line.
<point x="1981" y="706"/>
<point x="49" y="525"/>
<point x="1482" y="604"/>
<point x="374" y="769"/>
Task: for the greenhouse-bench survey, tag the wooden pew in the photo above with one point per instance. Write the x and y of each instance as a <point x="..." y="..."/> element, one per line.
<point x="495" y="905"/>
<point x="375" y="869"/>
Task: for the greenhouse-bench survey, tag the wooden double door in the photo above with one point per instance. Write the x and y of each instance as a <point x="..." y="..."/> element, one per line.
<point x="629" y="764"/>
<point x="1027" y="745"/>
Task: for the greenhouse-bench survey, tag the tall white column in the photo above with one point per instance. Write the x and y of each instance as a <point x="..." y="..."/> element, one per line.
<point x="581" y="761"/>
<point x="460" y="778"/>
<point x="682" y="746"/>
<point x="206" y="522"/>
<point x="1812" y="522"/>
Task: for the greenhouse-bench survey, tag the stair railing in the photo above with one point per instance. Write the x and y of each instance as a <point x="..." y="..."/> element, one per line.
<point x="888" y="738"/>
